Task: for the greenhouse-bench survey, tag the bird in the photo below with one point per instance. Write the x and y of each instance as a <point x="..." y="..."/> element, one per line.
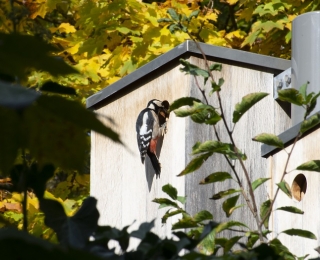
<point x="150" y="125"/>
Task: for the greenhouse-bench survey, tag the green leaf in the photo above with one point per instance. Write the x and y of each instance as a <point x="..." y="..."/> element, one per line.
<point x="211" y="146"/>
<point x="291" y="209"/>
<point x="195" y="164"/>
<point x="216" y="87"/>
<point x="269" y="139"/>
<point x="185" y="101"/>
<point x="264" y="210"/>
<point x="309" y="123"/>
<point x="246" y="103"/>
<point x="223" y="194"/>
<point x="185" y="222"/>
<point x="312" y="104"/>
<point x="54" y="87"/>
<point x="225" y="225"/>
<point x="170" y="214"/>
<point x="173" y="14"/>
<point x="173" y="27"/>
<point x="165" y="203"/>
<point x="217" y="147"/>
<point x="216" y="177"/>
<point x="230" y="243"/>
<point x="194" y="13"/>
<point x="303" y="90"/>
<point x="300" y="233"/>
<point x="164" y="20"/>
<point x="313" y="165"/>
<point x="194" y="70"/>
<point x="25" y="52"/>
<point x="182" y="199"/>
<point x="291" y="95"/>
<point x="200" y="113"/>
<point x="281" y="250"/>
<point x="202" y="215"/>
<point x="258" y="182"/>
<point x="229" y="205"/>
<point x="216" y="67"/>
<point x="170" y="190"/>
<point x="284" y="186"/>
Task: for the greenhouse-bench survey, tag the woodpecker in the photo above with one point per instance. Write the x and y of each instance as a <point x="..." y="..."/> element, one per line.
<point x="152" y="124"/>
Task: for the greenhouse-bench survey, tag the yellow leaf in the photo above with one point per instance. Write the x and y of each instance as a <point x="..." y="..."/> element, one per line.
<point x="67" y="28"/>
<point x="37" y="8"/>
<point x="232" y="2"/>
<point x="212" y="16"/>
<point x="74" y="49"/>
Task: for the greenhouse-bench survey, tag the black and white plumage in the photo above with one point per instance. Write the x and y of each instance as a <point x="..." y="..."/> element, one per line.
<point x="150" y="125"/>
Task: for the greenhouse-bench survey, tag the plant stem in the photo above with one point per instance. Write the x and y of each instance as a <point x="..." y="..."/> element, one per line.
<point x="252" y="206"/>
<point x="25" y="192"/>
<point x="282" y="177"/>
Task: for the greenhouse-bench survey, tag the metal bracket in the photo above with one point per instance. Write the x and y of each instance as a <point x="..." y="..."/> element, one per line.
<point x="282" y="81"/>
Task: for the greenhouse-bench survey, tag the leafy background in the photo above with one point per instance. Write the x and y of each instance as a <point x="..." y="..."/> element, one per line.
<point x="106" y="40"/>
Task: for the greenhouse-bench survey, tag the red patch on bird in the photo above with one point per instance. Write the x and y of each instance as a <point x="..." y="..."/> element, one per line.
<point x="153" y="145"/>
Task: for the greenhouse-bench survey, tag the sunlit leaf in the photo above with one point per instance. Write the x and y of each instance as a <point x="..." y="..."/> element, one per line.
<point x="223" y="194"/>
<point x="258" y="182"/>
<point x="310" y="123"/>
<point x="200" y="113"/>
<point x="284" y="186"/>
<point x="229" y="205"/>
<point x="185" y="101"/>
<point x="216" y="177"/>
<point x="313" y="165"/>
<point x="165" y="203"/>
<point x="195" y="164"/>
<point x="215" y="86"/>
<point x="291" y="209"/>
<point x="269" y="139"/>
<point x="300" y="233"/>
<point x="194" y="70"/>
<point x="291" y="95"/>
<point x="182" y="199"/>
<point x="170" y="214"/>
<point x="216" y="67"/>
<point x="225" y="225"/>
<point x="303" y="90"/>
<point x="246" y="103"/>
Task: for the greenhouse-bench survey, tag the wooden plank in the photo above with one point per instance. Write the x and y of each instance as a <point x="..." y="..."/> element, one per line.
<point x="266" y="116"/>
<point x="124" y="186"/>
<point x="305" y="150"/>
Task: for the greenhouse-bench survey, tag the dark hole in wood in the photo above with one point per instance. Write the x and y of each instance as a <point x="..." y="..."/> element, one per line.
<point x="299" y="187"/>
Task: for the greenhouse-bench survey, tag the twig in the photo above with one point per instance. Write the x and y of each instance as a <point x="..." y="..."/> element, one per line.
<point x="283" y="174"/>
<point x="253" y="206"/>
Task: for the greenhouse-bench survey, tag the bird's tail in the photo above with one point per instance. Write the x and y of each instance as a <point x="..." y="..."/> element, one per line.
<point x="155" y="163"/>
